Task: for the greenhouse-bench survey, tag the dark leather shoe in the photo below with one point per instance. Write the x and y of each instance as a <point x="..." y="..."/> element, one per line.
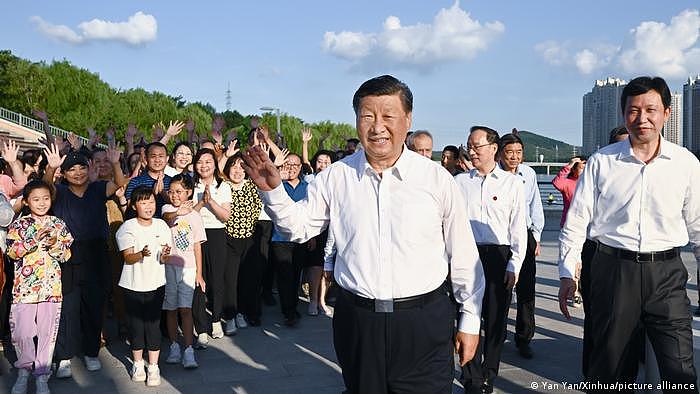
<point x="253" y="321"/>
<point x="291" y="321"/>
<point x="525" y="351"/>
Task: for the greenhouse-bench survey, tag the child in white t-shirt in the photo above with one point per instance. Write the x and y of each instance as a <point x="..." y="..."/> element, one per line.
<point x="184" y="269"/>
<point x="145" y="243"/>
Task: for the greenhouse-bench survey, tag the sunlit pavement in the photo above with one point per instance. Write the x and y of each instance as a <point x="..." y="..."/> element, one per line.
<point x="276" y="359"/>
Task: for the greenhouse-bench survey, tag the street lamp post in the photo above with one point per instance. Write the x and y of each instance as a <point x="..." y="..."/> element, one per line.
<point x="277" y="112"/>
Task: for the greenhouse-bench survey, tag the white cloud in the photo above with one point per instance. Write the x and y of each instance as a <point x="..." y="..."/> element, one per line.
<point x="553" y="52"/>
<point x="452" y="36"/>
<point x="670" y="50"/>
<point x="139" y="29"/>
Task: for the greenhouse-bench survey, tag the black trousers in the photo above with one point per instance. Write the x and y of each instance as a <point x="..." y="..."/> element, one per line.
<point x="525" y="290"/>
<point x="624" y="293"/>
<point x="288" y="258"/>
<point x="636" y="348"/>
<point x="406" y="351"/>
<point x="238" y="251"/>
<point x="81" y="321"/>
<point x="86" y="281"/>
<point x="215" y="254"/>
<point x="6" y="298"/>
<point x="250" y="280"/>
<point x="143" y="317"/>
<point x="494" y="311"/>
<point x="261" y="245"/>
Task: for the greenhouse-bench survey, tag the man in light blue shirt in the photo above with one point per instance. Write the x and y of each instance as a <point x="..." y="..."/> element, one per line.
<point x="511" y="157"/>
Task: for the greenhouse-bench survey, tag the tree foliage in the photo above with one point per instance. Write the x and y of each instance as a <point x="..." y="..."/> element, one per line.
<point x="76" y="99"/>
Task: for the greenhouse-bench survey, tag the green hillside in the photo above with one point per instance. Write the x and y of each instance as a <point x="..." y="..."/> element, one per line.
<point x="535" y="143"/>
<point x="547" y="147"/>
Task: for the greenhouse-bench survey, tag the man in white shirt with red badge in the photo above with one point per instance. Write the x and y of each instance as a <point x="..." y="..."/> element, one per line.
<point x="496" y="209"/>
<point x="639" y="201"/>
<point x="399" y="224"/>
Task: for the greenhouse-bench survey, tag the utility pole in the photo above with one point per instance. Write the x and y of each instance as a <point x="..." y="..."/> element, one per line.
<point x="228" y="97"/>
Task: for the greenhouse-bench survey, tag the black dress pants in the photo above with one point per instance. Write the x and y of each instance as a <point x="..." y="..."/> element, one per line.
<point x="636" y="348"/>
<point x="288" y="258"/>
<point x="261" y="244"/>
<point x="238" y="252"/>
<point x="624" y="293"/>
<point x="525" y="290"/>
<point x="85" y="280"/>
<point x="250" y="280"/>
<point x="406" y="351"/>
<point x="215" y="254"/>
<point x="494" y="311"/>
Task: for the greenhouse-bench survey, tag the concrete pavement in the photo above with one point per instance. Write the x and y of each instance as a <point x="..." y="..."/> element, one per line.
<point x="277" y="359"/>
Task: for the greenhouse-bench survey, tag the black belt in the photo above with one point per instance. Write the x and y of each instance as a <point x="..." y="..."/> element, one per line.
<point x="387" y="306"/>
<point x="648" y="257"/>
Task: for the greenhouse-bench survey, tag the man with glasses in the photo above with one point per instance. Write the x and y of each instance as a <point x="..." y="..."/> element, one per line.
<point x="496" y="210"/>
<point x="154" y="176"/>
<point x="288" y="257"/>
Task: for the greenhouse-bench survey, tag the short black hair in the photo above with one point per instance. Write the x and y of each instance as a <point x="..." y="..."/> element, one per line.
<point x="616" y="132"/>
<point x="641" y="85"/>
<point x="34" y="185"/>
<point x="184" y="179"/>
<point x="230" y="162"/>
<point x="141" y="193"/>
<point x="353" y="141"/>
<point x="385" y="85"/>
<point x="451" y="148"/>
<point x="331" y="155"/>
<point x="157" y="144"/>
<point x="491" y="134"/>
<point x="510" y="138"/>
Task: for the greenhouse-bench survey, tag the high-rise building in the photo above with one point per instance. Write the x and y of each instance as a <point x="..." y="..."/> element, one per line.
<point x="691" y="114"/>
<point x="673" y="130"/>
<point x="601" y="113"/>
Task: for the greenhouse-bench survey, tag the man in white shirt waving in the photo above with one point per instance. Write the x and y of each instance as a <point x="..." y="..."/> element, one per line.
<point x="496" y="210"/>
<point x="399" y="224"/>
<point x="639" y="201"/>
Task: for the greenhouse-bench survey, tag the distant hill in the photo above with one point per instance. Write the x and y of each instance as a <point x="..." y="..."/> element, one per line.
<point x="547" y="147"/>
<point x="534" y="144"/>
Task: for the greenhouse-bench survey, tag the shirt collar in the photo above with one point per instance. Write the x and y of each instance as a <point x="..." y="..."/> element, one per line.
<point x="497" y="172"/>
<point x="518" y="170"/>
<point x="665" y="150"/>
<point x="401" y="169"/>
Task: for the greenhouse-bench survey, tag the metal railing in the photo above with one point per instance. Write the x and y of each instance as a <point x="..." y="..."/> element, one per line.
<point x="34" y="124"/>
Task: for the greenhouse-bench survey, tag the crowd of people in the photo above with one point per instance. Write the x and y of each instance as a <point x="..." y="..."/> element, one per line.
<point x="187" y="243"/>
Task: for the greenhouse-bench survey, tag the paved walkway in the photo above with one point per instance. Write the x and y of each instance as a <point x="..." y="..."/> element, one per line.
<point x="277" y="359"/>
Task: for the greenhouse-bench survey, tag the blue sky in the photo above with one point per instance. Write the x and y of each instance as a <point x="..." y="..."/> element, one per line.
<point x="502" y="64"/>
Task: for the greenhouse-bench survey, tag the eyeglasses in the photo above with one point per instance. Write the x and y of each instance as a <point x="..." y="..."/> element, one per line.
<point x="474" y="148"/>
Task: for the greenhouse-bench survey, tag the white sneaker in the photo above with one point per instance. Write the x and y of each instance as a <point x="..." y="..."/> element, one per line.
<point x="92" y="364"/>
<point x="240" y="321"/>
<point x="64" y="370"/>
<point x="22" y="382"/>
<point x="153" y="375"/>
<point x="188" y="360"/>
<point x="231" y="327"/>
<point x="174" y="357"/>
<point x="138" y="372"/>
<point x="202" y="341"/>
<point x="42" y="384"/>
<point x="216" y="330"/>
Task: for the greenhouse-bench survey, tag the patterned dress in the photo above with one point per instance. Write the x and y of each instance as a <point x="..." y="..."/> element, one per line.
<point x="37" y="268"/>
